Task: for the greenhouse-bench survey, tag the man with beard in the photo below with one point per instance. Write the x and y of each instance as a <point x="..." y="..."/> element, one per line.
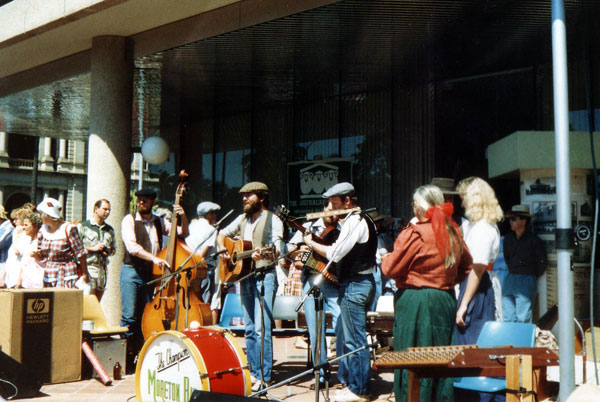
<point x="324" y="228"/>
<point x="142" y="236"/>
<point x="262" y="228"/>
<point x="354" y="255"/>
<point x="99" y="241"/>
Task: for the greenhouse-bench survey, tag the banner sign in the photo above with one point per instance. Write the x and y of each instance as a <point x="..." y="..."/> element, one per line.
<point x="308" y="180"/>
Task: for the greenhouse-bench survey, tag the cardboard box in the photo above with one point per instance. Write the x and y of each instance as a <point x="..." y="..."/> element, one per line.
<point x="42" y="330"/>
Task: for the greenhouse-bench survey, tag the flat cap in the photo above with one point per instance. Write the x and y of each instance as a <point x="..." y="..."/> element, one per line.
<point x="206" y="207"/>
<point x="254" y="186"/>
<point x="343" y="188"/>
<point x="146" y="192"/>
<point x="445" y="184"/>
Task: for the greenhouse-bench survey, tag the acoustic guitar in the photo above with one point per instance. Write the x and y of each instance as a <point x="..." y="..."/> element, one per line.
<point x="311" y="260"/>
<point x="239" y="265"/>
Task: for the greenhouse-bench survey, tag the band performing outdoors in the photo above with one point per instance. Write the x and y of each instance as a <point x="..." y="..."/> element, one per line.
<point x="177" y="279"/>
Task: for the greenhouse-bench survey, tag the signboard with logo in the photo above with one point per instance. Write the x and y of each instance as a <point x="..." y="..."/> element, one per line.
<point x="308" y="180"/>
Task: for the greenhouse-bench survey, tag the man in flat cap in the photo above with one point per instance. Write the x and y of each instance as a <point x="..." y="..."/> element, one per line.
<point x="142" y="237"/>
<point x="525" y="256"/>
<point x="203" y="239"/>
<point x="262" y="228"/>
<point x="354" y="255"/>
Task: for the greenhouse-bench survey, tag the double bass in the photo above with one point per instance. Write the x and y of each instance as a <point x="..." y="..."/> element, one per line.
<point x="175" y="305"/>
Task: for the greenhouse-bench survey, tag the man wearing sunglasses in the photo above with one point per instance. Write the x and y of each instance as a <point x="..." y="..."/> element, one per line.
<point x="525" y="257"/>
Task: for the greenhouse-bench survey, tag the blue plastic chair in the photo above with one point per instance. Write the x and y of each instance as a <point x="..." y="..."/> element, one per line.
<point x="492" y="334"/>
<point x="232" y="307"/>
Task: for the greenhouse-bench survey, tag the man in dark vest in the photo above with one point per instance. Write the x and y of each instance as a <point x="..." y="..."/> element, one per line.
<point x="262" y="228"/>
<point x="142" y="237"/>
<point x="354" y="254"/>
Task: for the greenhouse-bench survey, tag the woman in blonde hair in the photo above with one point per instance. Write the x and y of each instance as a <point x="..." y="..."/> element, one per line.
<point x="476" y="300"/>
<point x="428" y="260"/>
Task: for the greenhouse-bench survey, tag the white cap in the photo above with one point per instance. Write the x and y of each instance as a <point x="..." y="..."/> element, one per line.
<point x="50" y="207"/>
<point x="206" y="207"/>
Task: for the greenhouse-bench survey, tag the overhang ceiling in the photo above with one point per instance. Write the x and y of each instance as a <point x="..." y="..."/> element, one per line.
<point x="358" y="43"/>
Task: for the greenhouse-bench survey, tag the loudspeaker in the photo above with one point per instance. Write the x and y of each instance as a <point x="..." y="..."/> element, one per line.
<point x="26" y="382"/>
<point x="199" y="396"/>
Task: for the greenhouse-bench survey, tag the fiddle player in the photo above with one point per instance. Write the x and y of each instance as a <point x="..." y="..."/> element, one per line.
<point x="142" y="237"/>
<point x="354" y="253"/>
<point x="262" y="228"/>
<point x="326" y="226"/>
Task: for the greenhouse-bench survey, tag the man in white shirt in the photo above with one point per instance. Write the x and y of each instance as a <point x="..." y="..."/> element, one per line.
<point x="142" y="238"/>
<point x="354" y="255"/>
<point x="262" y="228"/>
<point x="203" y="239"/>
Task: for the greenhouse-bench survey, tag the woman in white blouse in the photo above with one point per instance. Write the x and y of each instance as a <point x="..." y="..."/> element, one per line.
<point x="482" y="237"/>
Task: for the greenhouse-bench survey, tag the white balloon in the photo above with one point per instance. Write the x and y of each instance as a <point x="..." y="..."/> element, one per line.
<point x="155" y="150"/>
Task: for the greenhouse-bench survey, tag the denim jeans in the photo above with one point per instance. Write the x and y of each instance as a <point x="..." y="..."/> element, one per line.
<point x="250" y="292"/>
<point x="330" y="299"/>
<point x="518" y="296"/>
<point x="355" y="297"/>
<point x="134" y="297"/>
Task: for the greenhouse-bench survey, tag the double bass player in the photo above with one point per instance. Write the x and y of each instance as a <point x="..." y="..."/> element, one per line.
<point x="142" y="236"/>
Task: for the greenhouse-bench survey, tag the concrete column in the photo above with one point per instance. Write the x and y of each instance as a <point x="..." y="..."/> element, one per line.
<point x="109" y="152"/>
<point x="3" y="152"/>
<point x="63" y="164"/>
<point x="46" y="161"/>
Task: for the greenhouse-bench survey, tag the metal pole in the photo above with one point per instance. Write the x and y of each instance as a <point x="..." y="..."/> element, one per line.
<point x="34" y="172"/>
<point x="564" y="232"/>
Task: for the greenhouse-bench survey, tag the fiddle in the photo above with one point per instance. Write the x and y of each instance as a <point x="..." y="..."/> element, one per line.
<point x="172" y="293"/>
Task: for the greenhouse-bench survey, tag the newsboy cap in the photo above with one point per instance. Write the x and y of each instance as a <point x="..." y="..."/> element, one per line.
<point x="206" y="207"/>
<point x="146" y="192"/>
<point x="254" y="186"/>
<point x="343" y="188"/>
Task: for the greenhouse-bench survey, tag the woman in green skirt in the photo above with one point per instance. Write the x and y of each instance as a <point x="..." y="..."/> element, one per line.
<point x="428" y="260"/>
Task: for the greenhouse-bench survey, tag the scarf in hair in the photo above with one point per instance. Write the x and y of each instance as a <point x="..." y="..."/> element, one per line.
<point x="437" y="217"/>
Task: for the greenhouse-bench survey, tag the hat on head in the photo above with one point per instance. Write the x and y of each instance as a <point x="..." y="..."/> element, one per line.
<point x="254" y="186"/>
<point x="521" y="210"/>
<point x="3" y="212"/>
<point x="146" y="192"/>
<point x="376" y="216"/>
<point x="206" y="207"/>
<point x="343" y="188"/>
<point x="50" y="207"/>
<point x="445" y="184"/>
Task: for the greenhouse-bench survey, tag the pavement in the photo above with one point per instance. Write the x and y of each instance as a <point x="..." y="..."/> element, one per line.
<point x="288" y="361"/>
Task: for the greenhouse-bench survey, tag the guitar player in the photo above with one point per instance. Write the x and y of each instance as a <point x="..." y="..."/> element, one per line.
<point x="260" y="227"/>
<point x="327" y="225"/>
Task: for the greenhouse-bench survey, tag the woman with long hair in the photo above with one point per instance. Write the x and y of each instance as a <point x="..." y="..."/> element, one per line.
<point x="476" y="300"/>
<point x="59" y="247"/>
<point x="31" y="273"/>
<point x="428" y="260"/>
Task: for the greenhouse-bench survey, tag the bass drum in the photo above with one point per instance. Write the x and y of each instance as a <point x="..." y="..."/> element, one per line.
<point x="173" y="364"/>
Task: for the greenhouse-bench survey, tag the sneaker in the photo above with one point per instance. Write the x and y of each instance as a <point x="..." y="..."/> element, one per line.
<point x="253" y="380"/>
<point x="345" y="395"/>
<point x="257" y="386"/>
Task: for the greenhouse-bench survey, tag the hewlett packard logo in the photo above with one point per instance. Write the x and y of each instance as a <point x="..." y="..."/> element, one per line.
<point x="38" y="306"/>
